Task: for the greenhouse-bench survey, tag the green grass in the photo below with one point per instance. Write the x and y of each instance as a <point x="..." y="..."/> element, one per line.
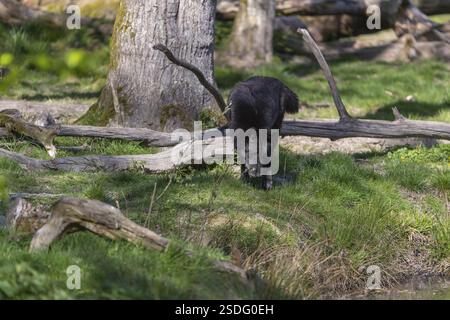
<point x="369" y="90"/>
<point x="110" y="270"/>
<point x="334" y="203"/>
<point x="441" y="18"/>
<point x="51" y="64"/>
<point x="309" y="238"/>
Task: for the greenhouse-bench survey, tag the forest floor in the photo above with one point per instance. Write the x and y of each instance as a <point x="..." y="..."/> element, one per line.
<point x="337" y="208"/>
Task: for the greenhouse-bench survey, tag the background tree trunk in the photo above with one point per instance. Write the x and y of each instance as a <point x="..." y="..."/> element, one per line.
<point x="144" y="89"/>
<point x="251" y="41"/>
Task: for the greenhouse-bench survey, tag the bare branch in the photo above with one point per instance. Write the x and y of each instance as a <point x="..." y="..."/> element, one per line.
<point x="11" y="120"/>
<point x="71" y="214"/>
<point x="150" y="137"/>
<point x="343" y="114"/>
<point x="397" y="115"/>
<point x="335" y="130"/>
<point x="182" y="154"/>
<point x="200" y="76"/>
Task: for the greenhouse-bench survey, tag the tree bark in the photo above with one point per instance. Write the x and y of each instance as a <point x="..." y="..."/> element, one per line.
<point x="183" y="154"/>
<point x="25" y="217"/>
<point x="150" y="137"/>
<point x="143" y="88"/>
<point x="251" y="42"/>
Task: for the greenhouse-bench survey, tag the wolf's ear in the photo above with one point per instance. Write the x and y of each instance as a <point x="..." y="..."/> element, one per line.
<point x="289" y="101"/>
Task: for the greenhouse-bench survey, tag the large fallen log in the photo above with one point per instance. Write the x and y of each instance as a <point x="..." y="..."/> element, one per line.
<point x="327" y="128"/>
<point x="227" y="9"/>
<point x="151" y="137"/>
<point x="71" y="214"/>
<point x="211" y="150"/>
<point x="183" y="154"/>
<point x="405" y="49"/>
<point x="401" y="15"/>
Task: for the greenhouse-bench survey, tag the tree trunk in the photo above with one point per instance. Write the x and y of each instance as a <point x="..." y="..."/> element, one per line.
<point x="251" y="41"/>
<point x="144" y="89"/>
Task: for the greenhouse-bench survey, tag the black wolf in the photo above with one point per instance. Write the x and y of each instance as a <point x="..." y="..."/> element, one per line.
<point x="260" y="103"/>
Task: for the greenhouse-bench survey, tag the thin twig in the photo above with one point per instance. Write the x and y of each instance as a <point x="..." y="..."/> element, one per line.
<point x="147" y="220"/>
<point x="165" y="189"/>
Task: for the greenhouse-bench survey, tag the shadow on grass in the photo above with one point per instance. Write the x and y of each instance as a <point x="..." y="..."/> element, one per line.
<point x="126" y="271"/>
<point x="413" y="110"/>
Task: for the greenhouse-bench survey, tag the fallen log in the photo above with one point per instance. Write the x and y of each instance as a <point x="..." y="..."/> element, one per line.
<point x="150" y="137"/>
<point x="13" y="123"/>
<point x="353" y="128"/>
<point x="227" y="9"/>
<point x="401" y="15"/>
<point x="31" y="110"/>
<point x="398" y="50"/>
<point x="15" y="13"/>
<point x="327" y="128"/>
<point x="183" y="154"/>
<point x="71" y="214"/>
<point x="25" y="217"/>
<point x="211" y="150"/>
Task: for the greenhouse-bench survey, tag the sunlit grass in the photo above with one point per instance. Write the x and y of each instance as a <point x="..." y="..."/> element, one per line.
<point x="369" y="90"/>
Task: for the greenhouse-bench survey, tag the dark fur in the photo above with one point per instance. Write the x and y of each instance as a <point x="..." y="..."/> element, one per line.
<point x="260" y="103"/>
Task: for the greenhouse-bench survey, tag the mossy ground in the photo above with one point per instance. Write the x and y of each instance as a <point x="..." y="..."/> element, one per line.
<point x="312" y="237"/>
